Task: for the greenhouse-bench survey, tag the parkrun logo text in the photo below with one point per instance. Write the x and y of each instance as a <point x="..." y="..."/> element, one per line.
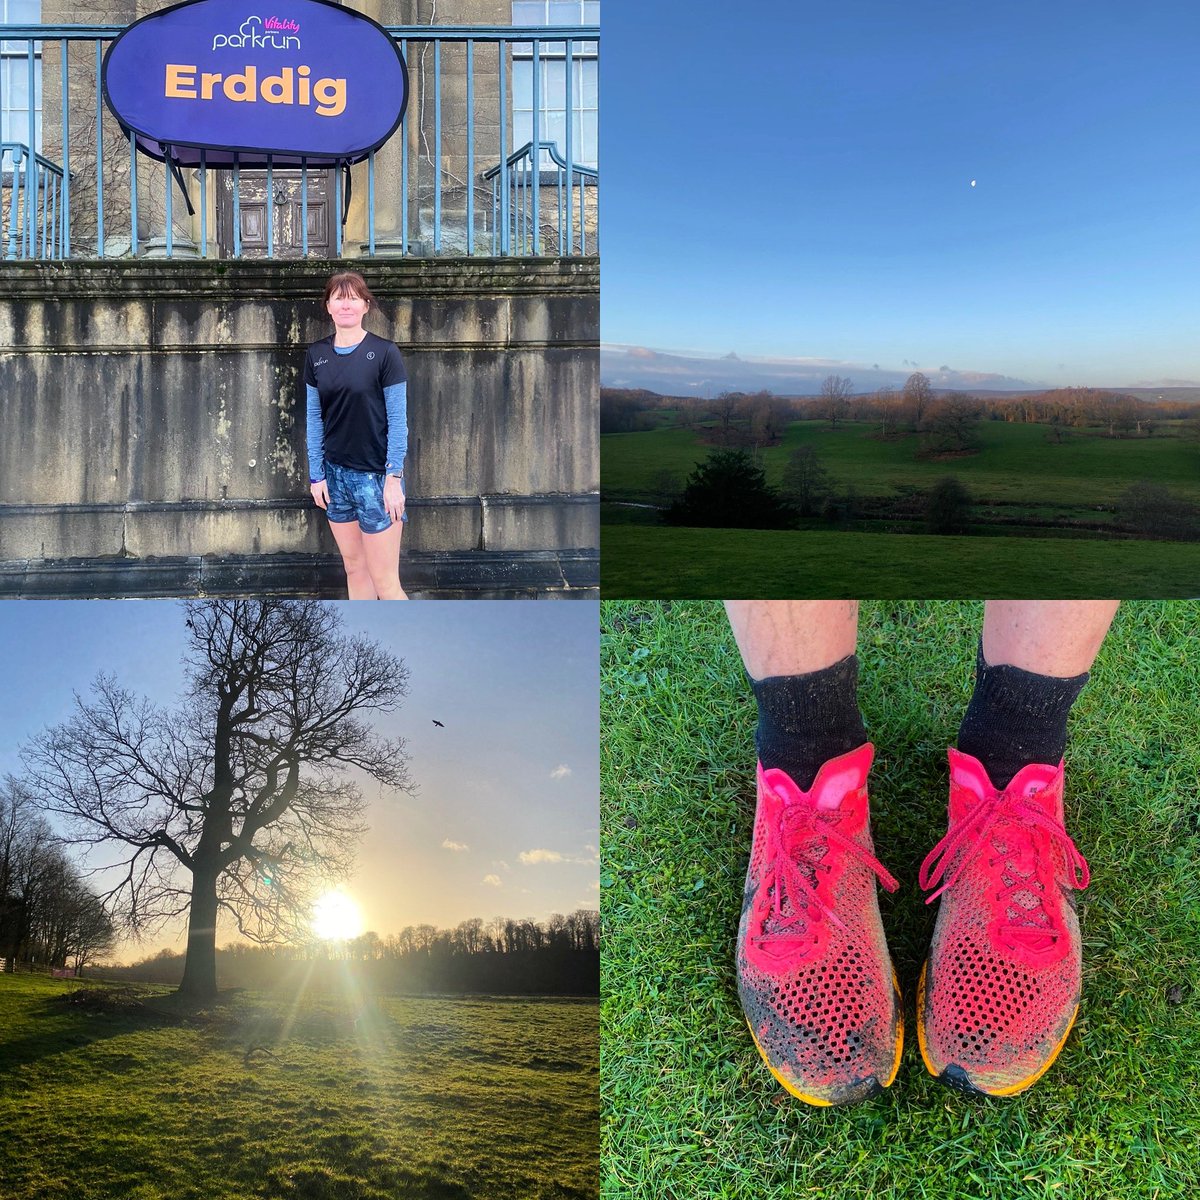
<point x="278" y="38"/>
<point x="288" y="87"/>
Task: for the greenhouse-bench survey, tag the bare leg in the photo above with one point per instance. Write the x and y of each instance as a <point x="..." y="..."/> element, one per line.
<point x="792" y="637"/>
<point x="349" y="539"/>
<point x="1050" y="637"/>
<point x="382" y="552"/>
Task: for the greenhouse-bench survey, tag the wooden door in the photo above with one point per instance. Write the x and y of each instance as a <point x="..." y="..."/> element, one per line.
<point x="283" y="208"/>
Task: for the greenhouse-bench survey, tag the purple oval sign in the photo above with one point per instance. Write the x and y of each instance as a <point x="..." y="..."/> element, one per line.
<point x="241" y="79"/>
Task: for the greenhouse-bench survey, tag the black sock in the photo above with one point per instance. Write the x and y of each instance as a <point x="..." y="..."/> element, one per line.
<point x="1016" y="718"/>
<point x="805" y="720"/>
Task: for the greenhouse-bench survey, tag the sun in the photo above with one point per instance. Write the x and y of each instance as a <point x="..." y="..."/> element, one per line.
<point x="336" y="918"/>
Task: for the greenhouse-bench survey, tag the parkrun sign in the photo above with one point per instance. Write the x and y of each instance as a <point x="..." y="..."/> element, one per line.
<point x="240" y="80"/>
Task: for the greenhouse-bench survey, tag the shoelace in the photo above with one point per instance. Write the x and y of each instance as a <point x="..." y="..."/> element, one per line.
<point x="983" y="821"/>
<point x="802" y="840"/>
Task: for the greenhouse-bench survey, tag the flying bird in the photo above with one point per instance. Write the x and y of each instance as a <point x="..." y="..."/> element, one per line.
<point x="437" y="723"/>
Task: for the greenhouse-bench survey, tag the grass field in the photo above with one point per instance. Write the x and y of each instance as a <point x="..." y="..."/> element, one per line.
<point x="657" y="562"/>
<point x="689" y="1110"/>
<point x="1016" y="463"/>
<point x="433" y="1099"/>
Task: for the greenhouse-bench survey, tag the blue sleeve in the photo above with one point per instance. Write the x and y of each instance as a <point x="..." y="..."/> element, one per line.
<point x="395" y="399"/>
<point x="316" y="437"/>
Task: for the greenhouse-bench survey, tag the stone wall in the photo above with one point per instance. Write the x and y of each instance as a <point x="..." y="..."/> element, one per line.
<point x="153" y="412"/>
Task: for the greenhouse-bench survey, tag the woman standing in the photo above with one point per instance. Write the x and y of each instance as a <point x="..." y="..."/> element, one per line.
<point x="357" y="438"/>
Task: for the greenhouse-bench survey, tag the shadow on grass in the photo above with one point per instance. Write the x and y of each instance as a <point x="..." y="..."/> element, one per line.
<point x="62" y="1024"/>
<point x="315" y="1181"/>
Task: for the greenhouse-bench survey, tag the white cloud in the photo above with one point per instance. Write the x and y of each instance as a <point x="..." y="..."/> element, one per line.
<point x="540" y="856"/>
<point x="560" y="772"/>
<point x="492" y="880"/>
<point x="533" y="857"/>
<point x="449" y="845"/>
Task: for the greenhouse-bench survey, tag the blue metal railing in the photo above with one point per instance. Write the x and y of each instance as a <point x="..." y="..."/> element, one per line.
<point x="31" y="209"/>
<point x="525" y="177"/>
<point x="96" y="201"/>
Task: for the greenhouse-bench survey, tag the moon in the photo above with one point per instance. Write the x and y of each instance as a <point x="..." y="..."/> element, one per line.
<point x="972" y="183"/>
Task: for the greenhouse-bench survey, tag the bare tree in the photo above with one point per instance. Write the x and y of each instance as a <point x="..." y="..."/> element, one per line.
<point x="951" y="424"/>
<point x="94" y="935"/>
<point x="765" y="418"/>
<point x="47" y="912"/>
<point x="918" y="392"/>
<point x="238" y="800"/>
<point x="583" y="925"/>
<point x="469" y="936"/>
<point x="887" y="406"/>
<point x="835" y="398"/>
<point x="726" y="409"/>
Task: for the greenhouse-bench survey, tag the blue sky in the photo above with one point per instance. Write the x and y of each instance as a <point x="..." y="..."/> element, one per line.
<point x="514" y="771"/>
<point x="795" y="179"/>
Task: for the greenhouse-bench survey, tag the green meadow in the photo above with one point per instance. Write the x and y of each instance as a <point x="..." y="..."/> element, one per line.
<point x="1016" y="463"/>
<point x="654" y="562"/>
<point x="1030" y="494"/>
<point x="306" y="1097"/>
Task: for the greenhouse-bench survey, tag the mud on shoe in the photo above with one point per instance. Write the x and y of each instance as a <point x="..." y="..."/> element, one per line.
<point x="814" y="974"/>
<point x="1000" y="989"/>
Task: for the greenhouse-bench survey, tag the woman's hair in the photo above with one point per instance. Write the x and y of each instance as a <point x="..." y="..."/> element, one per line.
<point x="348" y="281"/>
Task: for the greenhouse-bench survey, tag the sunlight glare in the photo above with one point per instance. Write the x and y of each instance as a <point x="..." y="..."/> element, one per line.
<point x="336" y="917"/>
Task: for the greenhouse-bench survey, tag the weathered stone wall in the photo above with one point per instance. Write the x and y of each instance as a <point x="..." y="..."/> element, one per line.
<point x="154" y="410"/>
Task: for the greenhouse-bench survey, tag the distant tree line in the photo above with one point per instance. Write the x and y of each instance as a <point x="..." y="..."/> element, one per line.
<point x="49" y="917"/>
<point x="946" y="420"/>
<point x="623" y="411"/>
<point x="560" y="956"/>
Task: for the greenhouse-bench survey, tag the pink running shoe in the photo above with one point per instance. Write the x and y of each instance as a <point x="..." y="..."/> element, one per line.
<point x="815" y="979"/>
<point x="1000" y="989"/>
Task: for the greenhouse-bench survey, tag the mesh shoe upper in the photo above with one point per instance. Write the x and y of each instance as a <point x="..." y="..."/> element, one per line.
<point x="1001" y="985"/>
<point x="814" y="974"/>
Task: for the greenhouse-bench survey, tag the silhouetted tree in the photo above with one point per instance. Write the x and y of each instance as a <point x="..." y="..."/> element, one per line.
<point x="806" y="482"/>
<point x="949" y="506"/>
<point x="728" y="491"/>
<point x="237" y="800"/>
<point x="48" y="914"/>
